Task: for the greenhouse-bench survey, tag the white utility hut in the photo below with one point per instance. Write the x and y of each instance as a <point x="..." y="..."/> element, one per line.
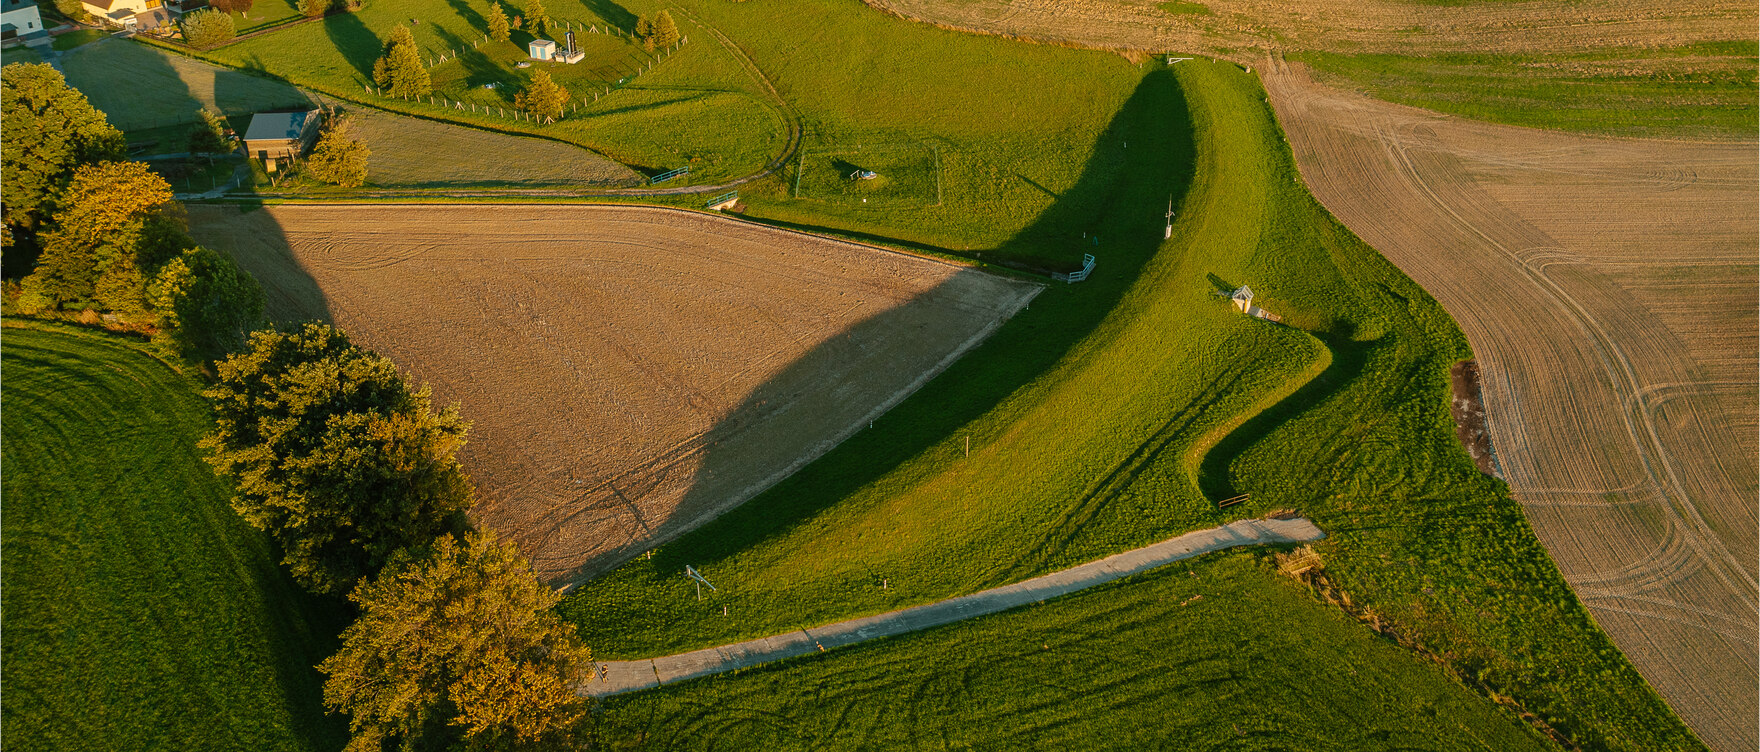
<point x="542" y="49"/>
<point x="1243" y="302"/>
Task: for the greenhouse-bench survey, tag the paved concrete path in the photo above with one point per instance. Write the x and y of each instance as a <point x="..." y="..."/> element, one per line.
<point x="628" y="676"/>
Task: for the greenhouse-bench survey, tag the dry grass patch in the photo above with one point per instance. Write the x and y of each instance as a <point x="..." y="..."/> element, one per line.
<point x="630" y="372"/>
<point x="1608" y="289"/>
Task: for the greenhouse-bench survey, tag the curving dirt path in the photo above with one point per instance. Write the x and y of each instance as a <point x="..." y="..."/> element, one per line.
<point x="619" y="677"/>
<point x="1608" y="288"/>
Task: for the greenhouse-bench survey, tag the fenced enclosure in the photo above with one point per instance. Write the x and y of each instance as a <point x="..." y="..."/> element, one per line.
<point x="1079" y="274"/>
<point x="905" y="173"/>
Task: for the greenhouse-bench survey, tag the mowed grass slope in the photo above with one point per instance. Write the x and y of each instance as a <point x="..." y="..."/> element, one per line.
<point x="140" y="612"/>
<point x="1115" y="412"/>
<point x="1217" y="653"/>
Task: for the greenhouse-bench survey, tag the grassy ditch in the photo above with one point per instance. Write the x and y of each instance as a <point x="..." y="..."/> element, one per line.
<point x="140" y="612"/>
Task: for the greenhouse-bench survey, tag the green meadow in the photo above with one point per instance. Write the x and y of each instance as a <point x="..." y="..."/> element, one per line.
<point x="140" y="612"/>
<point x="1220" y="654"/>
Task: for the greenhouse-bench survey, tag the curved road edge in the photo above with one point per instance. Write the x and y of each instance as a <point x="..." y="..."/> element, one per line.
<point x="618" y="677"/>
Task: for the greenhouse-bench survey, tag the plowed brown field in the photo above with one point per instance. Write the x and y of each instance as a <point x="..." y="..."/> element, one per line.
<point x="1609" y="290"/>
<point x="1235" y="27"/>
<point x="630" y="372"/>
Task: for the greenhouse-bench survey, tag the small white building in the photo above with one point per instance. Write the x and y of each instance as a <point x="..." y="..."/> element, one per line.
<point x="1243" y="302"/>
<point x="542" y="49"/>
<point x="19" y="20"/>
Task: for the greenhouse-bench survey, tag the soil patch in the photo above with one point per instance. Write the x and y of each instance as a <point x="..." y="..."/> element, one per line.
<point x="630" y="372"/>
<point x="1469" y="416"/>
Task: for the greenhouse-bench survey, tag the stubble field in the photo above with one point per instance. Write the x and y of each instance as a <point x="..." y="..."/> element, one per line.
<point x="1608" y="289"/>
<point x="630" y="372"/>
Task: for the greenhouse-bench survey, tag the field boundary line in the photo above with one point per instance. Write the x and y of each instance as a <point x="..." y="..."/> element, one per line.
<point x="619" y="677"/>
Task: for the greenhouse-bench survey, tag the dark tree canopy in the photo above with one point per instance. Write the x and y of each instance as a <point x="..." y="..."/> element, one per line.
<point x="47" y="130"/>
<point x="457" y="645"/>
<point x="207" y="306"/>
<point x="333" y="454"/>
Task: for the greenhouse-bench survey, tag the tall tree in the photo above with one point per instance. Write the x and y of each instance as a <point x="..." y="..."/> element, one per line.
<point x="315" y="8"/>
<point x="400" y="71"/>
<point x="333" y="454"/>
<point x="112" y="224"/>
<point x="458" y="643"/>
<point x="210" y="136"/>
<point x="537" y="19"/>
<point x="499" y="29"/>
<point x="340" y="158"/>
<point x="543" y="97"/>
<point x="207" y="306"/>
<point x="665" y="30"/>
<point x="47" y="130"/>
<point x="207" y="28"/>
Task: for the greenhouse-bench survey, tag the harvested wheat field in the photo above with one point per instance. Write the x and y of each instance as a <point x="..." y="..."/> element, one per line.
<point x="1609" y="290"/>
<point x="1228" y="27"/>
<point x="629" y="372"/>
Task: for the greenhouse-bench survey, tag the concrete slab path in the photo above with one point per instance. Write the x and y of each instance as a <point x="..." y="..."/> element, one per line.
<point x="617" y="677"/>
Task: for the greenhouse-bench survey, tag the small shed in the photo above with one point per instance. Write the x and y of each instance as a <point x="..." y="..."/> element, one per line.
<point x="281" y="135"/>
<point x="542" y="49"/>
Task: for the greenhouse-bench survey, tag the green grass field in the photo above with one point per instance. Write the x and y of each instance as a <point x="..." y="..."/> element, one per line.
<point x="1216" y="653"/>
<point x="1113" y="413"/>
<point x="141" y="88"/>
<point x="140" y="612"/>
<point x="1697" y="91"/>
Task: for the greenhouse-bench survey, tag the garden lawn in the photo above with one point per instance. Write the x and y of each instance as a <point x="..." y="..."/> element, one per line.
<point x="1114" y="413"/>
<point x="1216" y="653"/>
<point x="140" y="612"/>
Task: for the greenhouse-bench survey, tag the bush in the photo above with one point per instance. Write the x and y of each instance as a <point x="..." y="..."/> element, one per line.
<point x="315" y="8"/>
<point x="208" y="28"/>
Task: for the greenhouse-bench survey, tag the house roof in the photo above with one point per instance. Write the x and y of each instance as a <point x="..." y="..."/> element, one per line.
<point x="276" y="126"/>
<point x="103" y="5"/>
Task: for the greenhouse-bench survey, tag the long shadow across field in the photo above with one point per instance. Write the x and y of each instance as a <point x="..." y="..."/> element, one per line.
<point x="1121" y="197"/>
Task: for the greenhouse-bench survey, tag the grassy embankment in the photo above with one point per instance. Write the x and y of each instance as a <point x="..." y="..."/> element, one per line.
<point x="140" y="612"/>
<point x="1230" y="656"/>
<point x="1092" y="418"/>
<point x="1692" y="91"/>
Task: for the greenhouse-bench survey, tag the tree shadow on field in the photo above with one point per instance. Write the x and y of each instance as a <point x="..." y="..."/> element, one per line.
<point x="613" y="13"/>
<point x="357" y="43"/>
<point x="1125" y="198"/>
<point x="254" y="239"/>
<point x="469" y="15"/>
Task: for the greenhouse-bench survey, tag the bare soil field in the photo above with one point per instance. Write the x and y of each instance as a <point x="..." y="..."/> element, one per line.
<point x="630" y="372"/>
<point x="1235" y="27"/>
<point x="1608" y="288"/>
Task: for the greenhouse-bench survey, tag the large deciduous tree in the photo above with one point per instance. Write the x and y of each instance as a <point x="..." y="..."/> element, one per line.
<point x="47" y="130"/>
<point x="665" y="30"/>
<point x="207" y="306"/>
<point x="400" y="71"/>
<point x="457" y="646"/>
<point x="114" y="221"/>
<point x="333" y="454"/>
<point x="340" y="158"/>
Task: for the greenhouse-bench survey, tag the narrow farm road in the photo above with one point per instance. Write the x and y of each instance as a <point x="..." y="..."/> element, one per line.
<point x="618" y="677"/>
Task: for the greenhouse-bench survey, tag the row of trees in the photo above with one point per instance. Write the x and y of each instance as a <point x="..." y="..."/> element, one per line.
<point x="355" y="476"/>
<point x="102" y="235"/>
<point x="349" y="470"/>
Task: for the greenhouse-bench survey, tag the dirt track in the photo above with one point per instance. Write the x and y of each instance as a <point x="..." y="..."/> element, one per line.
<point x="1609" y="290"/>
<point x="630" y="372"/>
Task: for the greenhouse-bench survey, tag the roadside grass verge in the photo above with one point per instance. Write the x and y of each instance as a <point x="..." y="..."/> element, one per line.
<point x="140" y="612"/>
<point x="1216" y="653"/>
<point x="1696" y="91"/>
<point x="1093" y="421"/>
